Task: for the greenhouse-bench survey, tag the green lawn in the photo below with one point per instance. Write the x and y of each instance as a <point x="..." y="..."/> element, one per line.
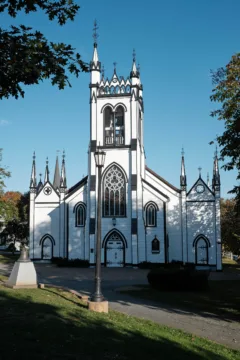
<point x="53" y="324"/>
<point x="222" y="299"/>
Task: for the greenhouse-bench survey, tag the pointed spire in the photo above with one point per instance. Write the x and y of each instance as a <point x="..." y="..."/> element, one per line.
<point x="40" y="184"/>
<point x="216" y="176"/>
<point x="134" y="72"/>
<point x="103" y="73"/>
<point x="183" y="178"/>
<point x="33" y="181"/>
<point x="63" y="180"/>
<point x="56" y="181"/>
<point x="208" y="181"/>
<point x="46" y="172"/>
<point x="95" y="64"/>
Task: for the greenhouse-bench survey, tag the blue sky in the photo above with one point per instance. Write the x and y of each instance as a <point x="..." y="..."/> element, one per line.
<point x="177" y="42"/>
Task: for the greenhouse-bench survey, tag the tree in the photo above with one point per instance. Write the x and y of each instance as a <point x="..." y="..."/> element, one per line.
<point x="3" y="175"/>
<point x="15" y="212"/>
<point x="227" y="93"/>
<point x="230" y="226"/>
<point x="27" y="57"/>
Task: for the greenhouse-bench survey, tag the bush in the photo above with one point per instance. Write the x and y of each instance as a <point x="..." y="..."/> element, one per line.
<point x="64" y="262"/>
<point x="11" y="247"/>
<point x="149" y="265"/>
<point x="178" y="279"/>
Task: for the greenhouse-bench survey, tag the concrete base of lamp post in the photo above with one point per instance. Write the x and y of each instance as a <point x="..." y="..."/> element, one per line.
<point x="98" y="306"/>
<point x="23" y="275"/>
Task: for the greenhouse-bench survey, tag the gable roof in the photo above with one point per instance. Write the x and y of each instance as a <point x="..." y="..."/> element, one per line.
<point x="204" y="185"/>
<point x="76" y="187"/>
<point x="154" y="188"/>
<point x="162" y="179"/>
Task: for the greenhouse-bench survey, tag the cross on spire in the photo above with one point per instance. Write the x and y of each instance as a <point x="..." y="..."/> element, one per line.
<point x="134" y="55"/>
<point x="95" y="33"/>
<point x="183" y="151"/>
<point x="114" y="64"/>
<point x="199" y="169"/>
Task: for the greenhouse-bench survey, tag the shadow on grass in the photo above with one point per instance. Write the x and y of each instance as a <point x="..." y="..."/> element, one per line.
<point x="39" y="324"/>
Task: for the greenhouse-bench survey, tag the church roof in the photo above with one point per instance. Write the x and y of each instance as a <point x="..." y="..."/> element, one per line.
<point x="162" y="179"/>
<point x="77" y="186"/>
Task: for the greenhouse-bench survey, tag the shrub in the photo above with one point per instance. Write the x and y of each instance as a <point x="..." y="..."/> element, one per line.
<point x="178" y="279"/>
<point x="64" y="262"/>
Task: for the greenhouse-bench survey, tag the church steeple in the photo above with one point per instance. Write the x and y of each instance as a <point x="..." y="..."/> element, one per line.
<point x="95" y="65"/>
<point x="46" y="172"/>
<point x="216" y="176"/>
<point x="134" y="72"/>
<point x="56" y="181"/>
<point x="183" y="178"/>
<point x="33" y="181"/>
<point x="63" y="180"/>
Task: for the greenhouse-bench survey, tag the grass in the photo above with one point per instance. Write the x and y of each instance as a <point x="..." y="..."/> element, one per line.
<point x="53" y="324"/>
<point x="222" y="299"/>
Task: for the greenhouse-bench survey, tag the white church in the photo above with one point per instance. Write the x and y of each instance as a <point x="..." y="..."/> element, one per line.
<point x="143" y="216"/>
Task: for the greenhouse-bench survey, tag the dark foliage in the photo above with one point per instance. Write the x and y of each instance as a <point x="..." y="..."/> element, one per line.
<point x="27" y="57"/>
<point x="64" y="262"/>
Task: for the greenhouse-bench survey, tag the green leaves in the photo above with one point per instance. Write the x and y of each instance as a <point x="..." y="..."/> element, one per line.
<point x="27" y="57"/>
<point x="227" y="93"/>
<point x="63" y="10"/>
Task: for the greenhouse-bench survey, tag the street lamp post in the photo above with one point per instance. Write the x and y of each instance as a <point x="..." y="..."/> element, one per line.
<point x="97" y="296"/>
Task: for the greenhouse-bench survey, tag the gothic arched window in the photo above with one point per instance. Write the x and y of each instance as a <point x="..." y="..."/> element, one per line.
<point x="80" y="215"/>
<point x="114" y="126"/>
<point x="155" y="245"/>
<point x="151" y="214"/>
<point x="114" y="192"/>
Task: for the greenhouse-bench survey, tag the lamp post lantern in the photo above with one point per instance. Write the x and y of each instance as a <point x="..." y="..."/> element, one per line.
<point x="97" y="296"/>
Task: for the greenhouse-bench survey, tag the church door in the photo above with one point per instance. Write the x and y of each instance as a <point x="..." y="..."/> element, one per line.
<point x="47" y="249"/>
<point x="114" y="251"/>
<point x="201" y="252"/>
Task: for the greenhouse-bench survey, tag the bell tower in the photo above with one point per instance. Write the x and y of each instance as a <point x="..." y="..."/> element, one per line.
<point x="116" y="126"/>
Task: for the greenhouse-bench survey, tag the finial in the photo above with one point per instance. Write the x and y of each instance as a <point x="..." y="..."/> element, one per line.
<point x="40" y="175"/>
<point x="216" y="152"/>
<point x="47" y="160"/>
<point x="34" y="156"/>
<point x="58" y="151"/>
<point x="182" y="151"/>
<point x="114" y="64"/>
<point x="103" y="72"/>
<point x="134" y="55"/>
<point x="95" y="34"/>
<point x="199" y="169"/>
<point x="63" y="155"/>
<point x="208" y="178"/>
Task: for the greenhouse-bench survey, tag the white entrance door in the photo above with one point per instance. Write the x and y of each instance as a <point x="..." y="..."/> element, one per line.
<point x="202" y="255"/>
<point x="114" y="251"/>
<point x="47" y="249"/>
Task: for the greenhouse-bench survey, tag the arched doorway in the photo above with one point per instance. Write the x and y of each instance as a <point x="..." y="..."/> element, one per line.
<point x="201" y="250"/>
<point x="114" y="250"/>
<point x="47" y="243"/>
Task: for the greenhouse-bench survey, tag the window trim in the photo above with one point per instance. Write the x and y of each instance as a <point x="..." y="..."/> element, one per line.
<point x="125" y="191"/>
<point x="75" y="210"/>
<point x="154" y="240"/>
<point x="147" y="206"/>
<point x="113" y="110"/>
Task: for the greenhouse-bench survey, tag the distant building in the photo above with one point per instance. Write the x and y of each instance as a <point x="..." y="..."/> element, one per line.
<point x="144" y="217"/>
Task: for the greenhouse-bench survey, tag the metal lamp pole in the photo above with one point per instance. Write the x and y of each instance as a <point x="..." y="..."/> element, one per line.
<point x="97" y="296"/>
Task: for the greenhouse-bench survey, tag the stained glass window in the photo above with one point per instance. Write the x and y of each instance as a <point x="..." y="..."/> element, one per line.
<point x="114" y="192"/>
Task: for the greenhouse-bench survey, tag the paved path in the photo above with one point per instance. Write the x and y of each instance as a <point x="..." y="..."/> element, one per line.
<point x="226" y="332"/>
